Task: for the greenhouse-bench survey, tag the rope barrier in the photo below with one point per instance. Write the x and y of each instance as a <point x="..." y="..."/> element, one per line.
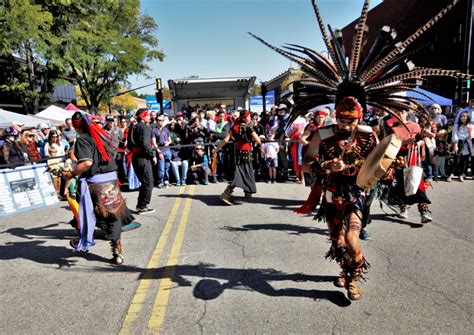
<point x="178" y="146"/>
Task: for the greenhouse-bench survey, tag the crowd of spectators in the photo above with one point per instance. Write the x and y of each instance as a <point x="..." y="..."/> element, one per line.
<point x="184" y="144"/>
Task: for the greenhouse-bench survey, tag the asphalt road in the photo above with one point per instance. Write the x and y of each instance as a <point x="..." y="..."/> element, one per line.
<point x="196" y="266"/>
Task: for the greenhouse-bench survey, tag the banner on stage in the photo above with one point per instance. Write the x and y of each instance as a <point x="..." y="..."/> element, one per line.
<point x="256" y="102"/>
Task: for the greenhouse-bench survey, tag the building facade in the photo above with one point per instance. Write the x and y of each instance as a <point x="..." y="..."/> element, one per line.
<point x="448" y="44"/>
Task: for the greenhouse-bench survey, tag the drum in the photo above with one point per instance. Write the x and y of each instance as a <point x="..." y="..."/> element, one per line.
<point x="378" y="162"/>
<point x="57" y="165"/>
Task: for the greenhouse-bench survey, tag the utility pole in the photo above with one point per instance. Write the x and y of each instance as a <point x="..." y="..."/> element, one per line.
<point x="159" y="94"/>
<point x="263" y="92"/>
<point x="466" y="84"/>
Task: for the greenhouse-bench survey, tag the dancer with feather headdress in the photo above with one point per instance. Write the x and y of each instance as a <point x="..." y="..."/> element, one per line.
<point x="376" y="80"/>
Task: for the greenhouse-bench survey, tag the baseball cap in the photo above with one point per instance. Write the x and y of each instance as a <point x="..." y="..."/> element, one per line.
<point x="18" y="123"/>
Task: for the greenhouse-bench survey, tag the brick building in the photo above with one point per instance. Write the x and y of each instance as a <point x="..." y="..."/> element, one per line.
<point x="444" y="45"/>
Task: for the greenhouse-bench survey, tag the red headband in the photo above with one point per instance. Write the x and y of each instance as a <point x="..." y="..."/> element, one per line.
<point x="144" y="114"/>
<point x="320" y="113"/>
<point x="247" y="114"/>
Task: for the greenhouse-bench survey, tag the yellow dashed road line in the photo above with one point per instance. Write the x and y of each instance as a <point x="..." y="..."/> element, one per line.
<point x="138" y="299"/>
<point x="159" y="308"/>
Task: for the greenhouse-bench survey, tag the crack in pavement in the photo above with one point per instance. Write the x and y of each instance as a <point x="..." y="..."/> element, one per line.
<point x="451" y="232"/>
<point x="242" y="247"/>
<point x="443" y="294"/>
<point x="335" y="325"/>
<point x="201" y="318"/>
<point x="389" y="266"/>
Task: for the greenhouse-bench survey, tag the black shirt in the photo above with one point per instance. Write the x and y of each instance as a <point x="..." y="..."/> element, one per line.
<point x="139" y="136"/>
<point x="14" y="153"/>
<point x="85" y="149"/>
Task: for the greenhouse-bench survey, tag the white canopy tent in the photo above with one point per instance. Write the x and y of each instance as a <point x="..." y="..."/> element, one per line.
<point x="7" y="118"/>
<point x="433" y="98"/>
<point x="55" y="114"/>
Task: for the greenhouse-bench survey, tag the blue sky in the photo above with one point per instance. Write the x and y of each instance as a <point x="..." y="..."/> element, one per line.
<point x="209" y="38"/>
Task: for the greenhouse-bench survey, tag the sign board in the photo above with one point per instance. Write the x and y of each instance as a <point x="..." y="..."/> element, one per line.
<point x="153" y="105"/>
<point x="256" y="102"/>
<point x="25" y="188"/>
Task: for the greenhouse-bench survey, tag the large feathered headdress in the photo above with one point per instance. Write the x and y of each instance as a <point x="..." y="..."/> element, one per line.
<point x="376" y="80"/>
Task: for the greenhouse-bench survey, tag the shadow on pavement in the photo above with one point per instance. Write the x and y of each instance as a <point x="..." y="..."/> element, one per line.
<point x="291" y="229"/>
<point x="211" y="284"/>
<point x="394" y="218"/>
<point x="37" y="252"/>
<point x="42" y="232"/>
<point x="213" y="200"/>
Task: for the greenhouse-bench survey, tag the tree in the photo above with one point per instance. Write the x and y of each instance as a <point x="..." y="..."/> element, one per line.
<point x="94" y="44"/>
<point x="166" y="93"/>
<point x="295" y="75"/>
<point x="124" y="103"/>
<point x="256" y="90"/>
<point x="106" y="44"/>
<point x="27" y="71"/>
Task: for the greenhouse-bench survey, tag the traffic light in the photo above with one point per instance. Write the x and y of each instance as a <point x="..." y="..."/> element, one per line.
<point x="263" y="89"/>
<point x="158" y="84"/>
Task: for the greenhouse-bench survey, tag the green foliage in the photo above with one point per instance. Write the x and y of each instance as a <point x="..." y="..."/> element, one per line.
<point x="108" y="45"/>
<point x="256" y="90"/>
<point x="25" y="32"/>
<point x="26" y="28"/>
<point x="96" y="45"/>
<point x="139" y="95"/>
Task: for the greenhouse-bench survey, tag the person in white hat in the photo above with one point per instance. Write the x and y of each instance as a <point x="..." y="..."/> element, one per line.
<point x="42" y="138"/>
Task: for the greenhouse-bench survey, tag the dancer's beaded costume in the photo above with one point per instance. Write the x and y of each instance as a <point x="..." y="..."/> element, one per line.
<point x="377" y="80"/>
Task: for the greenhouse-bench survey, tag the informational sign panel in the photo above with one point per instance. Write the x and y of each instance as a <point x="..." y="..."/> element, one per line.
<point x="256" y="102"/>
<point x="153" y="105"/>
<point x="25" y="188"/>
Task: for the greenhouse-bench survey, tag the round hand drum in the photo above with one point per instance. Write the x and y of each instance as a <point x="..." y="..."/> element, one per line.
<point x="377" y="163"/>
